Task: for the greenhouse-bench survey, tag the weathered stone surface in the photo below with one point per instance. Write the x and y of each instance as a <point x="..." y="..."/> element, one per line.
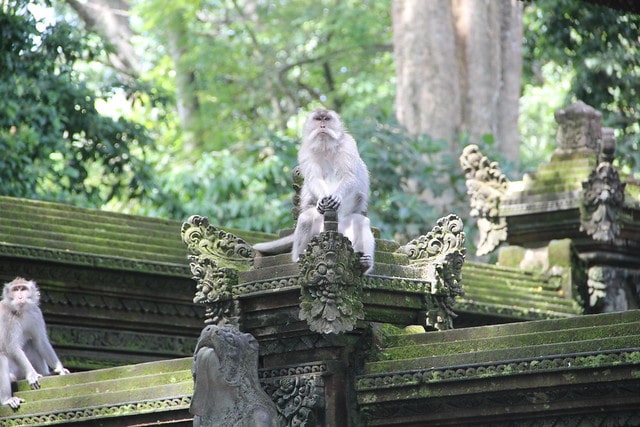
<point x="227" y="391"/>
<point x="547" y="370"/>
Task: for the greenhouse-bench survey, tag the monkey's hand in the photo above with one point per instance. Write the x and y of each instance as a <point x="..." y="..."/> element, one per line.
<point x="33" y="379"/>
<point x="62" y="371"/>
<point x="13" y="402"/>
<point x="329" y="202"/>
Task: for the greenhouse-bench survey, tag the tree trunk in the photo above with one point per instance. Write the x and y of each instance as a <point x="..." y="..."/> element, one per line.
<point x="110" y="19"/>
<point x="458" y="67"/>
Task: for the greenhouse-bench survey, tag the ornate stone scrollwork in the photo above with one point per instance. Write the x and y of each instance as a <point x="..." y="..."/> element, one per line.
<point x="441" y="253"/>
<point x="330" y="282"/>
<point x="205" y="239"/>
<point x="486" y="185"/>
<point x="603" y="195"/>
<point x="298" y="399"/>
<point x="215" y="257"/>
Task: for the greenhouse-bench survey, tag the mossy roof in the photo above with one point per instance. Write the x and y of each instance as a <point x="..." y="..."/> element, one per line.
<point x="465" y="366"/>
<point x="63" y="233"/>
<point x="57" y="232"/>
<point x="479" y="357"/>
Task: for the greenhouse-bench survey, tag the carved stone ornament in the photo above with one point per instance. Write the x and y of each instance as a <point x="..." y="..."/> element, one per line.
<point x="215" y="257"/>
<point x="441" y="253"/>
<point x="603" y="196"/>
<point x="486" y="185"/>
<point x="296" y="182"/>
<point x="330" y="282"/>
<point x="298" y="399"/>
<point x="227" y="390"/>
<point x="579" y="129"/>
<point x="203" y="238"/>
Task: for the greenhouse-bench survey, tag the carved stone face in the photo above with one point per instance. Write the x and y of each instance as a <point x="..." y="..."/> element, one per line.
<point x="227" y="390"/>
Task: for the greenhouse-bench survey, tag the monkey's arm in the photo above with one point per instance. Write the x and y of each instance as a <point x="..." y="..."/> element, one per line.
<point x="42" y="345"/>
<point x="20" y="358"/>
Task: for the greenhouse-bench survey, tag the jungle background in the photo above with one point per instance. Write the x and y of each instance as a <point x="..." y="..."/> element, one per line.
<point x="169" y="109"/>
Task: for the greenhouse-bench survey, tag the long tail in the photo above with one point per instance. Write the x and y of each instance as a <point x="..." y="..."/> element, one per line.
<point x="279" y="246"/>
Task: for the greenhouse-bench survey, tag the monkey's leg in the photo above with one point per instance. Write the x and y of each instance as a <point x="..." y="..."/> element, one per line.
<point x="357" y="228"/>
<point x="310" y="223"/>
<point x="5" y="385"/>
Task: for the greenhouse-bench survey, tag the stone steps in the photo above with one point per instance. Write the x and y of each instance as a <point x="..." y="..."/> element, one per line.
<point x="512" y="293"/>
<point x="521" y="371"/>
<point x="85" y="397"/>
<point x="48" y="229"/>
<point x="469" y="346"/>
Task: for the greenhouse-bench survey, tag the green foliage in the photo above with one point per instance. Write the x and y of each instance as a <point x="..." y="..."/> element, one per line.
<point x="54" y="143"/>
<point x="240" y="187"/>
<point x="598" y="47"/>
<point x="254" y="65"/>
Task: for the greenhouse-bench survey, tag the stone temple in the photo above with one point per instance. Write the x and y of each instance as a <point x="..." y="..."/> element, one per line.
<point x="549" y="335"/>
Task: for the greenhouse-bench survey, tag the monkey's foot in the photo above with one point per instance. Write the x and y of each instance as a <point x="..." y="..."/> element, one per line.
<point x="62" y="371"/>
<point x="366" y="263"/>
<point x="329" y="202"/>
<point x="33" y="380"/>
<point x="13" y="402"/>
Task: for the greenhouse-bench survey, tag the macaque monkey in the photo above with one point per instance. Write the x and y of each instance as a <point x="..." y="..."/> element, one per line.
<point x="335" y="177"/>
<point x="25" y="350"/>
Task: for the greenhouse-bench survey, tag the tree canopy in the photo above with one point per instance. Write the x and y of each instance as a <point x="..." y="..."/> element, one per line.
<point x="54" y="143"/>
<point x="205" y="118"/>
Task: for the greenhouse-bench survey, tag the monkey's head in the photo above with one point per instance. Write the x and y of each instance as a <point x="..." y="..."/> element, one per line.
<point x="323" y="125"/>
<point x="20" y="292"/>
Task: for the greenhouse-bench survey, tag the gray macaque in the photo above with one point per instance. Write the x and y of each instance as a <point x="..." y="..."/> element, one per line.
<point x="335" y="177"/>
<point x="25" y="350"/>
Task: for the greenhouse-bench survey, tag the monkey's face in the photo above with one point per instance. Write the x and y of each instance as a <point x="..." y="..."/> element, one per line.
<point x="20" y="294"/>
<point x="323" y="125"/>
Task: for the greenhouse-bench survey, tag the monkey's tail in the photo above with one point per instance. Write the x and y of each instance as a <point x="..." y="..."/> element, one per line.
<point x="279" y="246"/>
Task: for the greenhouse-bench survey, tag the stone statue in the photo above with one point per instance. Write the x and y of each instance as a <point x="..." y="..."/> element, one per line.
<point x="227" y="391"/>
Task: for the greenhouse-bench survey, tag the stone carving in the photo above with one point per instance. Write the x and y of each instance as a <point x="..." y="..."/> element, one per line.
<point x="441" y="253"/>
<point x="215" y="257"/>
<point x="227" y="390"/>
<point x="603" y="195"/>
<point x="203" y="238"/>
<point x="613" y="289"/>
<point x="579" y="129"/>
<point x="298" y="399"/>
<point x="330" y="281"/>
<point x="486" y="185"/>
<point x="296" y="182"/>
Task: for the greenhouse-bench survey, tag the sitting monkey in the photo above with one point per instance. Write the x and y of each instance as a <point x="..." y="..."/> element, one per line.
<point x="25" y="350"/>
<point x="335" y="177"/>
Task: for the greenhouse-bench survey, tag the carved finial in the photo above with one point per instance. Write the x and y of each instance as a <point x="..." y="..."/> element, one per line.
<point x="441" y="253"/>
<point x="602" y="195"/>
<point x="330" y="282"/>
<point x="608" y="148"/>
<point x="579" y="129"/>
<point x="215" y="257"/>
<point x="486" y="185"/>
<point x="203" y="238"/>
<point x="296" y="181"/>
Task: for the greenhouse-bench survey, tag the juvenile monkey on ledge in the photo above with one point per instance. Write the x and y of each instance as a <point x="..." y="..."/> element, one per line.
<point x="335" y="177"/>
<point x="25" y="350"/>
